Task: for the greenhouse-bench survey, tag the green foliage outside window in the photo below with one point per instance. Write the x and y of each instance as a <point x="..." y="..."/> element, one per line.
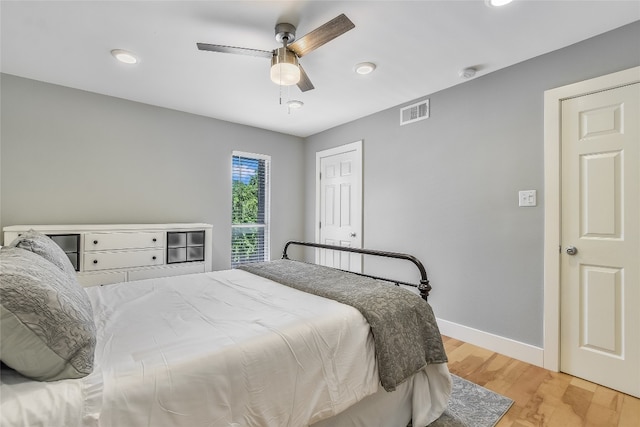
<point x="245" y="211"/>
<point x="245" y="201"/>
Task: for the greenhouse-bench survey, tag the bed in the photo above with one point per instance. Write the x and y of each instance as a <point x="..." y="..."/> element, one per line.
<point x="242" y="347"/>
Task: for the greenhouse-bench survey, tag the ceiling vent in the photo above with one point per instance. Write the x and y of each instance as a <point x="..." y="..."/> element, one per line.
<point x="414" y="112"/>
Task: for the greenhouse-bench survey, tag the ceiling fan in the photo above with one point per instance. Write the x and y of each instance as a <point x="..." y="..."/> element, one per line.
<point x="285" y="68"/>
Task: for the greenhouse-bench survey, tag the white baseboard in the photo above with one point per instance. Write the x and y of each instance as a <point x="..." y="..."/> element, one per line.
<point x="514" y="349"/>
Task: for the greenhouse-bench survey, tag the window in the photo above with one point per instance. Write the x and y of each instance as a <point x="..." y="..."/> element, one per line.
<point x="250" y="208"/>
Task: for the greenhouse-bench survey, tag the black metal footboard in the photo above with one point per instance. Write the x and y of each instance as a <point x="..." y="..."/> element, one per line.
<point x="424" y="287"/>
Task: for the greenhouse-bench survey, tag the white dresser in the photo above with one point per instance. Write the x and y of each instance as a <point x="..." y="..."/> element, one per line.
<point x="112" y="253"/>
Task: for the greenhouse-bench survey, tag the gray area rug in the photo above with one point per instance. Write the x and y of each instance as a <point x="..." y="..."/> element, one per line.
<point x="471" y="405"/>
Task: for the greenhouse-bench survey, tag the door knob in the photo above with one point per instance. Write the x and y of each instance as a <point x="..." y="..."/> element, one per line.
<point x="352" y="234"/>
<point x="572" y="250"/>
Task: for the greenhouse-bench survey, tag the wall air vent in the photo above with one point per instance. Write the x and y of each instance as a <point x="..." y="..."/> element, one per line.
<point x="414" y="112"/>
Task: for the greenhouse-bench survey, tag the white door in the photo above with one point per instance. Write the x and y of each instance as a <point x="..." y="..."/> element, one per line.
<point x="340" y="205"/>
<point x="600" y="273"/>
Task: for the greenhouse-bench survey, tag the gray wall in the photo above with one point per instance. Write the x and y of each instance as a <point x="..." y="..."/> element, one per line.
<point x="446" y="189"/>
<point x="74" y="157"/>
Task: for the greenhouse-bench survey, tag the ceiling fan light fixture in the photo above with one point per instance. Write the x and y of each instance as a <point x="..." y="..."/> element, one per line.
<point x="364" y="68"/>
<point x="284" y="67"/>
<point x="497" y="3"/>
<point x="124" y="56"/>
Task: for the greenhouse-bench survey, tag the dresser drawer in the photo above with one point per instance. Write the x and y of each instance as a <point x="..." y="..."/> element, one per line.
<point x="153" y="273"/>
<point x="111" y="260"/>
<point x="117" y="241"/>
<point x="102" y="278"/>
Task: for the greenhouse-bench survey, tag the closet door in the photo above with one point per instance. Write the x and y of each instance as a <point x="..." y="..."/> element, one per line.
<point x="600" y="235"/>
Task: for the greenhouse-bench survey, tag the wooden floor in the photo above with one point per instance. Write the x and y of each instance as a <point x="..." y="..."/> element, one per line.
<point x="541" y="397"/>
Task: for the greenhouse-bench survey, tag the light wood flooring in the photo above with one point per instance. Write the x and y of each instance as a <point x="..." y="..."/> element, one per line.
<point x="541" y="397"/>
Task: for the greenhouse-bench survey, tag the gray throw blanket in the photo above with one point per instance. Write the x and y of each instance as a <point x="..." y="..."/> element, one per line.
<point x="404" y="328"/>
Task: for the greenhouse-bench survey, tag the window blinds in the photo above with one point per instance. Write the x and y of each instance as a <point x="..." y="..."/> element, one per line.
<point x="250" y="208"/>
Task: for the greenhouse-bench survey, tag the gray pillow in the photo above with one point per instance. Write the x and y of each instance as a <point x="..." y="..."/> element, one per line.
<point x="42" y="245"/>
<point x="46" y="320"/>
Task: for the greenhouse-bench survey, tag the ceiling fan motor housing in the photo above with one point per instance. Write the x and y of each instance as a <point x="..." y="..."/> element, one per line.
<point x="285" y="32"/>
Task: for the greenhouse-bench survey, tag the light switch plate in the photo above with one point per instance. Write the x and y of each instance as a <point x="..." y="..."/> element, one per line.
<point x="527" y="198"/>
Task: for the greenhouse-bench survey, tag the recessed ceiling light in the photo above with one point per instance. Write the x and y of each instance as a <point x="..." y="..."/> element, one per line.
<point x="497" y="3"/>
<point x="364" y="67"/>
<point x="124" y="56"/>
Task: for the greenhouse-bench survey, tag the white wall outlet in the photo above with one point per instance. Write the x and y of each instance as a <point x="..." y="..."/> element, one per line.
<point x="527" y="198"/>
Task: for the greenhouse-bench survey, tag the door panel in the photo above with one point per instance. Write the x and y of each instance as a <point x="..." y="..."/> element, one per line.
<point x="345" y="204"/>
<point x="601" y="299"/>
<point x="601" y="195"/>
<point x="329" y="205"/>
<point x="600" y="283"/>
<point x="336" y="259"/>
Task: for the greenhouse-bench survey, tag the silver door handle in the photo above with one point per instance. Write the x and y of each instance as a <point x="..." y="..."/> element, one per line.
<point x="572" y="250"/>
<point x="352" y="234"/>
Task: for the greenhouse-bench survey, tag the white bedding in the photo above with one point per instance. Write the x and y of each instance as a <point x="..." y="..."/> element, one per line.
<point x="225" y="348"/>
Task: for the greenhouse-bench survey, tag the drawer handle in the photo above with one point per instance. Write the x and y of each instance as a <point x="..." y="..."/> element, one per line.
<point x="153" y="257"/>
<point x="95" y="261"/>
<point x="95" y="242"/>
<point x="155" y="240"/>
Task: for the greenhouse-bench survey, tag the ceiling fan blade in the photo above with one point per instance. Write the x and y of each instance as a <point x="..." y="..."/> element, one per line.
<point x="304" y="84"/>
<point x="235" y="50"/>
<point x="321" y="35"/>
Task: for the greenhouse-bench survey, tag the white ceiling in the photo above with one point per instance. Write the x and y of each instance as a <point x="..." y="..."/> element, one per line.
<point x="419" y="47"/>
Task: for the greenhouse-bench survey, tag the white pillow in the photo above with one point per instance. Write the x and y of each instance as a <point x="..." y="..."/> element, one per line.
<point x="46" y="320"/>
<point x="42" y="245"/>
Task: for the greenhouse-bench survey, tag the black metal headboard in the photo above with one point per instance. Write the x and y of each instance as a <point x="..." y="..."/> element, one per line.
<point x="424" y="287"/>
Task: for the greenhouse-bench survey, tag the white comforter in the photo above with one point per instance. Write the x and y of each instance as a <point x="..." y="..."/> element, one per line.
<point x="225" y="349"/>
